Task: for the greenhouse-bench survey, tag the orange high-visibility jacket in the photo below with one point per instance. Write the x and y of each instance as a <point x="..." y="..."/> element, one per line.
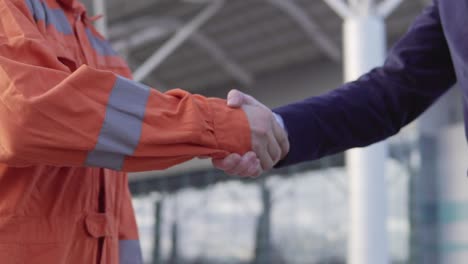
<point x="71" y="121"/>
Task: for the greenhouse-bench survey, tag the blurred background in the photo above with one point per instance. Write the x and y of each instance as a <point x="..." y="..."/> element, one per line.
<point x="281" y="51"/>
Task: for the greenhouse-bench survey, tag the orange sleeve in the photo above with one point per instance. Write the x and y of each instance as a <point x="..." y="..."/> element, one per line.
<point x="89" y="117"/>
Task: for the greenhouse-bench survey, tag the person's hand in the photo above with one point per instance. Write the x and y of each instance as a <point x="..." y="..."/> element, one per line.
<point x="247" y="165"/>
<point x="269" y="140"/>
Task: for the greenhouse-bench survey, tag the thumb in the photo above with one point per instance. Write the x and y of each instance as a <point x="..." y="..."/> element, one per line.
<point x="235" y="98"/>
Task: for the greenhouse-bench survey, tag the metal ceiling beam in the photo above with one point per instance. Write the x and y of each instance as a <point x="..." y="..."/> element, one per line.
<point x="231" y="67"/>
<point x="367" y="6"/>
<point x="124" y="31"/>
<point x="383" y="9"/>
<point x="132" y="38"/>
<point x="340" y="7"/>
<point x="178" y="39"/>
<point x="157" y="84"/>
<point x="354" y="4"/>
<point x="311" y="29"/>
<point x="153" y="32"/>
<point x="386" y="7"/>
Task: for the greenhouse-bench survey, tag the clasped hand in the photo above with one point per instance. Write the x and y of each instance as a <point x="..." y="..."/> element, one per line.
<point x="269" y="140"/>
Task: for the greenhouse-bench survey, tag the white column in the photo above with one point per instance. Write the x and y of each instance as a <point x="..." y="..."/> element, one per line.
<point x="364" y="49"/>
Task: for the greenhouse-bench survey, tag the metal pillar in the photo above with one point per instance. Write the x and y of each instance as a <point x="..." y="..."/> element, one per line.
<point x="311" y="29"/>
<point x="99" y="8"/>
<point x="364" y="49"/>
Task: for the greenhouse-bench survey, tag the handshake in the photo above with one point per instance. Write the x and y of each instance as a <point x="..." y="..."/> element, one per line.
<point x="269" y="139"/>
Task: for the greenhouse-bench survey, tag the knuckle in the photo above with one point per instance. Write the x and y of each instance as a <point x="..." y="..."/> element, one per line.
<point x="256" y="146"/>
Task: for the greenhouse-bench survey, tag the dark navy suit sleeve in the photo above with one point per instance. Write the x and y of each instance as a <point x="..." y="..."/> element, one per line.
<point x="416" y="72"/>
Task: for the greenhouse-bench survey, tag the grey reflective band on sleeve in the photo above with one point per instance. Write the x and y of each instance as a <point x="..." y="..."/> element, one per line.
<point x="51" y="16"/>
<point x="130" y="252"/>
<point x="121" y="130"/>
<point x="101" y="46"/>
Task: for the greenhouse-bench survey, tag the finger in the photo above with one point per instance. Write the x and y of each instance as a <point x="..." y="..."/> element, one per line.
<point x="255" y="170"/>
<point x="235" y="98"/>
<point x="249" y="160"/>
<point x="274" y="149"/>
<point x="258" y="172"/>
<point x="227" y="163"/>
<point x="281" y="138"/>
<point x="262" y="153"/>
<point x="244" y="163"/>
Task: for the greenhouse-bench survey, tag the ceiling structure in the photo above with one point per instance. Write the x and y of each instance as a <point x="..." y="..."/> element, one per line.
<point x="243" y="40"/>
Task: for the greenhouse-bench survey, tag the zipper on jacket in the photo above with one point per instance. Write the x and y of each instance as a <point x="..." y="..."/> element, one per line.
<point x="101" y="209"/>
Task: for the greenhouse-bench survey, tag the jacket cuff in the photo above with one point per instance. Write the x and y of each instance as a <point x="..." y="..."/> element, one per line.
<point x="231" y="127"/>
<point x="303" y="142"/>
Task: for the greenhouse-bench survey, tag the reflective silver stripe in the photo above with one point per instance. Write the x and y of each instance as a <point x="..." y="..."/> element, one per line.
<point x="101" y="46"/>
<point x="121" y="130"/>
<point x="130" y="252"/>
<point x="51" y="16"/>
